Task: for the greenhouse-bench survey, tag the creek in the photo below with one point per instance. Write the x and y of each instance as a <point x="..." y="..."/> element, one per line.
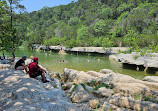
<point x="77" y="62"/>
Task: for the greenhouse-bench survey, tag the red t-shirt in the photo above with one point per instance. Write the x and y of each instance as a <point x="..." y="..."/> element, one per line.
<point x="33" y="67"/>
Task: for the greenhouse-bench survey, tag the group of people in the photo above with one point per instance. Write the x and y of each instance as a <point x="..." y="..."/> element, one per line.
<point x="61" y="61"/>
<point x="33" y="69"/>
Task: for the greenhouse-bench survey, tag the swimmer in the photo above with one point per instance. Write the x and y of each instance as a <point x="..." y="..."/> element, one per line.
<point x="57" y="60"/>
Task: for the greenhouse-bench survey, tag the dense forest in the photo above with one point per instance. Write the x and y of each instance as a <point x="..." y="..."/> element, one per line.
<point x="99" y="23"/>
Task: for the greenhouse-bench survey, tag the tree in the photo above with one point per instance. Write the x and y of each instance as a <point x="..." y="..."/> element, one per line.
<point x="13" y="4"/>
<point x="4" y="27"/>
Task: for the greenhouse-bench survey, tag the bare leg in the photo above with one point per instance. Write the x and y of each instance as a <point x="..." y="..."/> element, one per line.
<point x="20" y="68"/>
<point x="43" y="76"/>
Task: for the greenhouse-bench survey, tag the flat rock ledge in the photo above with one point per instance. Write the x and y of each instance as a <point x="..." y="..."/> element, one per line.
<point x="148" y="63"/>
<point x="19" y="92"/>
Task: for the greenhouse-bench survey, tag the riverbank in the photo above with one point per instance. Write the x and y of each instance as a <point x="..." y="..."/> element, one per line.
<point x="77" y="50"/>
<point x="147" y="63"/>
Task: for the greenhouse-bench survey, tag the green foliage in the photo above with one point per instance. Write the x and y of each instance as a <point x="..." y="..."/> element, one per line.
<point x="106" y="42"/>
<point x="74" y="21"/>
<point x="100" y="23"/>
<point x="101" y="85"/>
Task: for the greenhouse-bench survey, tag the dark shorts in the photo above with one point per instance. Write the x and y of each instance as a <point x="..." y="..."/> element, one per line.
<point x="38" y="73"/>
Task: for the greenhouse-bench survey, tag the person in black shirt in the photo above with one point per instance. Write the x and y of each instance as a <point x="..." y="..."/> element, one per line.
<point x="20" y="65"/>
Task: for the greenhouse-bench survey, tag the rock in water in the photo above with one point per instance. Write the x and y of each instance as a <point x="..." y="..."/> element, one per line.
<point x="19" y="92"/>
<point x="79" y="95"/>
<point x="151" y="79"/>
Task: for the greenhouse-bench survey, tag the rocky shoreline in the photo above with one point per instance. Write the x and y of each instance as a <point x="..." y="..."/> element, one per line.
<point x="147" y="63"/>
<point x="106" y="90"/>
<point x="77" y="91"/>
<point x="97" y="50"/>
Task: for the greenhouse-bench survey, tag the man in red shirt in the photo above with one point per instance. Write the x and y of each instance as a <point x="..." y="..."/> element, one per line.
<point x="35" y="70"/>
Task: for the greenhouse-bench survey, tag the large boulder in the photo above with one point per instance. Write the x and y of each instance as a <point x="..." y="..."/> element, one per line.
<point x="129" y="103"/>
<point x="78" y="76"/>
<point x="20" y="92"/>
<point x="130" y="89"/>
<point x="151" y="79"/>
<point x="79" y="95"/>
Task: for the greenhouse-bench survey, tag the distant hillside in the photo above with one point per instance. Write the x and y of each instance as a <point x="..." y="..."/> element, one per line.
<point x="92" y="23"/>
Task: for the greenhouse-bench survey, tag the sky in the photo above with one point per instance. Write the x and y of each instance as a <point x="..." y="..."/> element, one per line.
<point x="34" y="5"/>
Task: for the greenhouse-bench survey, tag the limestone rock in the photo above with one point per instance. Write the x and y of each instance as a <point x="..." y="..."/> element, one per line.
<point x="88" y="88"/>
<point x="5" y="66"/>
<point x="151" y="79"/>
<point x="80" y="95"/>
<point x="106" y="71"/>
<point x="128" y="89"/>
<point x="67" y="86"/>
<point x="103" y="92"/>
<point x="78" y="76"/>
<point x="107" y="106"/>
<point x="113" y="57"/>
<point x="20" y="92"/>
<point x="94" y="103"/>
<point x="130" y="103"/>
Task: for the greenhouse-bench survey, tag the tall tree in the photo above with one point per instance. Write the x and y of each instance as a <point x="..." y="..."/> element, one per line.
<point x="13" y="4"/>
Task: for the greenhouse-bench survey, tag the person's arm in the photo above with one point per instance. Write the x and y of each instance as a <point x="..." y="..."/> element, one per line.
<point x="23" y="64"/>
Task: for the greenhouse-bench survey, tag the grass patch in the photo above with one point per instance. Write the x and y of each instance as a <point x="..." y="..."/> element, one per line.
<point x="101" y="85"/>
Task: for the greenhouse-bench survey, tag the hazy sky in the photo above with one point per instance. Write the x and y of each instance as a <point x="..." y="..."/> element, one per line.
<point x="34" y="5"/>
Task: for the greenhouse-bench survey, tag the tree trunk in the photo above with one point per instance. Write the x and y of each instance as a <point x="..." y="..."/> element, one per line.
<point x="11" y="26"/>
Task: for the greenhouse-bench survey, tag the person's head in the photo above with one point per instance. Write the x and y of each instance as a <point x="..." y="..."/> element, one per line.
<point x="35" y="59"/>
<point x="24" y="57"/>
<point x="31" y="57"/>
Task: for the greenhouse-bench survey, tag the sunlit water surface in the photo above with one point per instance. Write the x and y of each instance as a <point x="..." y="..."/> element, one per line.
<point x="77" y="62"/>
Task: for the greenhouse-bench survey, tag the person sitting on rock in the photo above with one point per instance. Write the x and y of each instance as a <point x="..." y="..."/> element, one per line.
<point x="20" y="65"/>
<point x="35" y="70"/>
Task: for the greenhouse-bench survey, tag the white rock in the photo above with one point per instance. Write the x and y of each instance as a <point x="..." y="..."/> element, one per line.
<point x="20" y="92"/>
<point x="103" y="92"/>
<point x="130" y="103"/>
<point x="151" y="79"/>
<point x="80" y="95"/>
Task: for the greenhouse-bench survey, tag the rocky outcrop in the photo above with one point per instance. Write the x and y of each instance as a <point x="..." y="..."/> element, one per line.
<point x="105" y="86"/>
<point x="77" y="76"/>
<point x="101" y="50"/>
<point x="129" y="103"/>
<point x="79" y="95"/>
<point x="135" y="61"/>
<point x="20" y="92"/>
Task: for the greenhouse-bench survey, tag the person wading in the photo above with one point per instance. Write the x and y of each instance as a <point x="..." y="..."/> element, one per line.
<point x="35" y="70"/>
<point x="20" y="65"/>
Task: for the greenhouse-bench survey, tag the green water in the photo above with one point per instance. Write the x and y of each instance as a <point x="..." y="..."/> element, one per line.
<point x="77" y="62"/>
